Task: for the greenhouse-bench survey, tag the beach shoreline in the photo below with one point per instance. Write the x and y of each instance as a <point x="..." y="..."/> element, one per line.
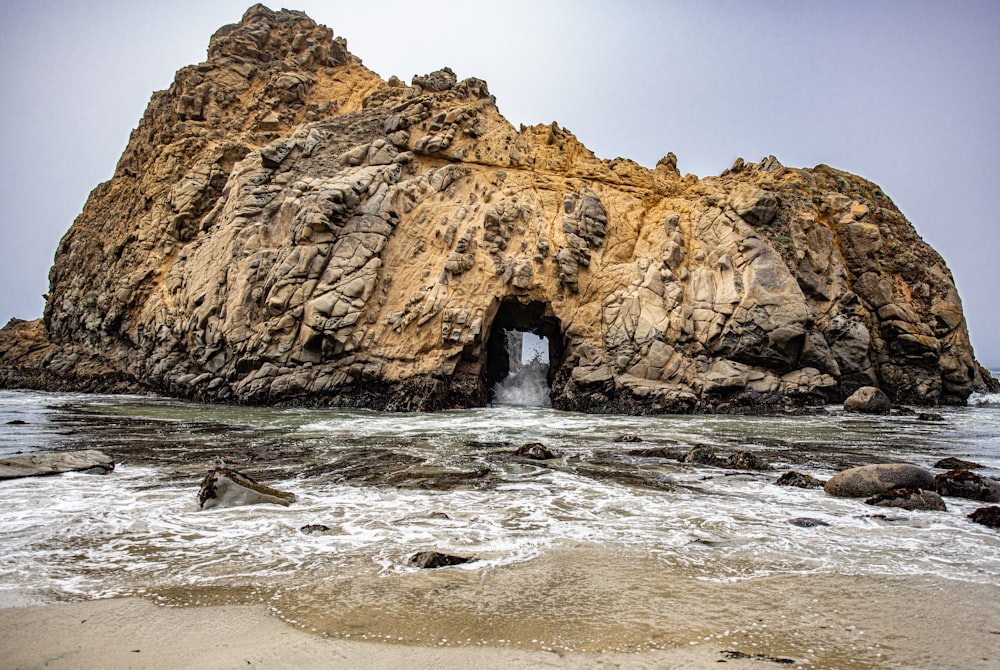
<point x="134" y="633"/>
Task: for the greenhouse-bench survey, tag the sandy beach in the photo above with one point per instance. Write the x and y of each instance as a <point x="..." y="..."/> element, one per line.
<point x="133" y="633"/>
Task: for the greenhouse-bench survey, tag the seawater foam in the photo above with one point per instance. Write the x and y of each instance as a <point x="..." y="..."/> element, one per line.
<point x="984" y="400"/>
<point x="140" y="527"/>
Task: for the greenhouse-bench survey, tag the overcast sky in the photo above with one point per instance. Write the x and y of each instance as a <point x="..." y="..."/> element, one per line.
<point x="903" y="93"/>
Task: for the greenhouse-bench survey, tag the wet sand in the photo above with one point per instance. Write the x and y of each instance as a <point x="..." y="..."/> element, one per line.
<point x="576" y="608"/>
<point x="133" y="633"/>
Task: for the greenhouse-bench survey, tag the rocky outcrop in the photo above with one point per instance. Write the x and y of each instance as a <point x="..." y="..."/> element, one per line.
<point x="43" y="464"/>
<point x="286" y="227"/>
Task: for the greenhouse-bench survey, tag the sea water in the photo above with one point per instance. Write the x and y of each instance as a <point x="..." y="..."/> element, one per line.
<point x="539" y="532"/>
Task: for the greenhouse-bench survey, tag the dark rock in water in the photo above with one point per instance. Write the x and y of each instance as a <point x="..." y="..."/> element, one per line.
<point x="901" y="411"/>
<point x="383" y="467"/>
<point x="868" y="400"/>
<point x="952" y="463"/>
<point x="38" y="465"/>
<point x="800" y="480"/>
<point x="745" y="460"/>
<point x="17" y="422"/>
<point x="807" y="522"/>
<point x="870" y="480"/>
<point x="929" y="416"/>
<point x="965" y="484"/>
<point x="628" y="437"/>
<point x="535" y="451"/>
<point x="436" y="559"/>
<point x="988" y="516"/>
<point x="701" y="455"/>
<point x="314" y="528"/>
<point x="909" y="499"/>
<point x="887" y="519"/>
<point x="224" y="487"/>
<point x="757" y="657"/>
<point x="655" y="452"/>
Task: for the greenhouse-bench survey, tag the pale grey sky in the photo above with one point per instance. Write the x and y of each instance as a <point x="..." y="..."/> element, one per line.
<point x="903" y="93"/>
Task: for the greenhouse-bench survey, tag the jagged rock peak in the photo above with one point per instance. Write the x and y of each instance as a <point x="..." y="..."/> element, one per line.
<point x="286" y="227"/>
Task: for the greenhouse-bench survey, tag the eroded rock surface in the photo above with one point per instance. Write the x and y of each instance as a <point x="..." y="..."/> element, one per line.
<point x="286" y="227"/>
<point x="42" y="464"/>
<point x="225" y="487"/>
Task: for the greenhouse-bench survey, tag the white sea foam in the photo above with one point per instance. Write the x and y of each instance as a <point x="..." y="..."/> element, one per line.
<point x="130" y="530"/>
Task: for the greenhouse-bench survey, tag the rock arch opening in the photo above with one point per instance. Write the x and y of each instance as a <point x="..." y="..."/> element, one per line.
<point x="524" y="351"/>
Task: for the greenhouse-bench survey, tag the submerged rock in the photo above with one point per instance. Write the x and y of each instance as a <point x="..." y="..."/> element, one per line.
<point x="807" y="522"/>
<point x="800" y="480"/>
<point x="868" y="400"/>
<point x="909" y="499"/>
<point x="385" y="467"/>
<point x="225" y="487"/>
<point x="870" y="480"/>
<point x="988" y="516"/>
<point x="965" y="484"/>
<point x="628" y="437"/>
<point x="436" y="559"/>
<point x="930" y="416"/>
<point x="38" y="465"/>
<point x="743" y="460"/>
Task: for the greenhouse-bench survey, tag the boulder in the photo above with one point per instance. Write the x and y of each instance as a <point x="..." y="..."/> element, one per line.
<point x="870" y="480"/>
<point x="800" y="480"/>
<point x="965" y="484"/>
<point x="225" y="487"/>
<point x="868" y="400"/>
<point x="38" y="465"/>
<point x="930" y="416"/>
<point x="988" y="516"/>
<point x="909" y="499"/>
<point x="436" y="559"/>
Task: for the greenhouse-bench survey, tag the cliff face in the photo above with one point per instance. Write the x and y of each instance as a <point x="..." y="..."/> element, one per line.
<point x="285" y="226"/>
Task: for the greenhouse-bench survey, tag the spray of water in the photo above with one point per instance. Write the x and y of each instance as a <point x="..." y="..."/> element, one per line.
<point x="527" y="384"/>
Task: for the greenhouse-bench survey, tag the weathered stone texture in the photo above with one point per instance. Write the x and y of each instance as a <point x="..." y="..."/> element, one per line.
<point x="285" y="226"/>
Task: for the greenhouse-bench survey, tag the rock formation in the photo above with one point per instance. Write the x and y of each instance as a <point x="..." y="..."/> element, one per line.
<point x="286" y="227"/>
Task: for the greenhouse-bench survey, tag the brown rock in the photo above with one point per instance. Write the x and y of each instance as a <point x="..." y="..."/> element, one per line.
<point x="988" y="516"/>
<point x="952" y="463"/>
<point x="800" y="480"/>
<point x="436" y="559"/>
<point x="868" y="400"/>
<point x="285" y="226"/>
<point x="870" y="480"/>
